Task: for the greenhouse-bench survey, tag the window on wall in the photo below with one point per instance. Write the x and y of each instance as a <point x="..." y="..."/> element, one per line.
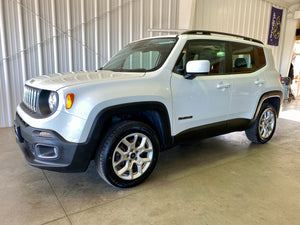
<point x="213" y="51"/>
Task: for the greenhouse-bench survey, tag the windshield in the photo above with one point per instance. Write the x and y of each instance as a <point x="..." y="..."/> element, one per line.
<point x="142" y="56"/>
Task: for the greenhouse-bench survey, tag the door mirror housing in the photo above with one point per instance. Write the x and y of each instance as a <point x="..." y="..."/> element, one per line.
<point x="196" y="67"/>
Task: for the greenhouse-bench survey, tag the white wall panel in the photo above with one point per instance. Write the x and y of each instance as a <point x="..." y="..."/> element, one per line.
<point x="70" y="35"/>
<point x="249" y="18"/>
<point x="44" y="37"/>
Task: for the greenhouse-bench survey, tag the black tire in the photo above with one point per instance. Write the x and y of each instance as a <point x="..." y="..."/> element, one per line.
<point x="264" y="127"/>
<point x="128" y="154"/>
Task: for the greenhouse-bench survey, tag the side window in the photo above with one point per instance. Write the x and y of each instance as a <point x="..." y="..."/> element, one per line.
<point x="246" y="58"/>
<point x="242" y="58"/>
<point x="214" y="51"/>
<point x="260" y="56"/>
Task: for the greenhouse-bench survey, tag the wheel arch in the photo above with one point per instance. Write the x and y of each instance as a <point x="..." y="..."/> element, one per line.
<point x="154" y="114"/>
<point x="273" y="98"/>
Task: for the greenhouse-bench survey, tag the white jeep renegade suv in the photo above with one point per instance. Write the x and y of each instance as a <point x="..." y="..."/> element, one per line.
<point x="152" y="94"/>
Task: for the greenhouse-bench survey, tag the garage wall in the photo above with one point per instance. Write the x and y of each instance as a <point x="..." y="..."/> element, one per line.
<point x="249" y="18"/>
<point x="50" y="36"/>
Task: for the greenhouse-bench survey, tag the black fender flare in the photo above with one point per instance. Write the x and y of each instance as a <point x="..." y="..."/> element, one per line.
<point x="154" y="114"/>
<point x="266" y="97"/>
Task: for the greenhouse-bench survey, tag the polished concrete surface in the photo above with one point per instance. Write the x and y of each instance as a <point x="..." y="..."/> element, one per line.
<point x="220" y="180"/>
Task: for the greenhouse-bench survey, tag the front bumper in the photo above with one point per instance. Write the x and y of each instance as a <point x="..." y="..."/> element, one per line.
<point x="46" y="149"/>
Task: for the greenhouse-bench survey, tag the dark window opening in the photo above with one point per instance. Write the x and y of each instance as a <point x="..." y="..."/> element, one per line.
<point x="224" y="57"/>
<point x="214" y="51"/>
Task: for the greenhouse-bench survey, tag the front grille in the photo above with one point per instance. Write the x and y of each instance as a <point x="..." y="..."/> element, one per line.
<point x="30" y="98"/>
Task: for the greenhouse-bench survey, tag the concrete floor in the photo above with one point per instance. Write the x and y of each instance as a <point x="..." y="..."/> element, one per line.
<point x="220" y="180"/>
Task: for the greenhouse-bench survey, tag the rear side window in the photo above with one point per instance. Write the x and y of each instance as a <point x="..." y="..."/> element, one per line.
<point x="246" y="58"/>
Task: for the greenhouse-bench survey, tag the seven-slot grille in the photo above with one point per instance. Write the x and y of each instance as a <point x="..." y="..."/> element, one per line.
<point x="30" y="97"/>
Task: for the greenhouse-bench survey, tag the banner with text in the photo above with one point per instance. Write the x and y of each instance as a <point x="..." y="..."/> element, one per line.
<point x="275" y="24"/>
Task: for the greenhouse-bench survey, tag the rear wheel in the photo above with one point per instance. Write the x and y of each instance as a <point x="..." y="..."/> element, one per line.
<point x="128" y="154"/>
<point x="264" y="127"/>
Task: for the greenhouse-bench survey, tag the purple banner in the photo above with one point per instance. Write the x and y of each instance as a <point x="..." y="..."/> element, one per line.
<point x="275" y="24"/>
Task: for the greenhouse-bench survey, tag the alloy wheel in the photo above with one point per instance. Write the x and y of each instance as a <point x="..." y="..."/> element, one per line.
<point x="266" y="124"/>
<point x="132" y="156"/>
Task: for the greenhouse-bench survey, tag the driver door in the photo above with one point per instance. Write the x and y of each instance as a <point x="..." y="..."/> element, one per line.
<point x="204" y="100"/>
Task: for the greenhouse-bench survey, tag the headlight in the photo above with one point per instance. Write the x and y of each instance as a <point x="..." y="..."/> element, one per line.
<point x="52" y="101"/>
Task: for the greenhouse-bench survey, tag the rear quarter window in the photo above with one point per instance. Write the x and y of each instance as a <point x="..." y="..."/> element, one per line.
<point x="261" y="59"/>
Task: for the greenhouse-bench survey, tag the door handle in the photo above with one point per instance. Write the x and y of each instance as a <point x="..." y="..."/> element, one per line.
<point x="259" y="82"/>
<point x="223" y="85"/>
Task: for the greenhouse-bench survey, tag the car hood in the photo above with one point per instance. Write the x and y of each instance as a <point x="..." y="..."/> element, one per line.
<point x="57" y="81"/>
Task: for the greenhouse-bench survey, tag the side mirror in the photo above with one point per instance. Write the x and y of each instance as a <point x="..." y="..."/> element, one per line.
<point x="196" y="67"/>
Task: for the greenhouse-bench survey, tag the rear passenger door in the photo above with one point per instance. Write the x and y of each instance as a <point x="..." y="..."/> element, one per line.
<point x="248" y="82"/>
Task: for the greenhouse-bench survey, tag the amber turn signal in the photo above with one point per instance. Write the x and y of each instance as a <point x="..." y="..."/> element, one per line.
<point x="69" y="100"/>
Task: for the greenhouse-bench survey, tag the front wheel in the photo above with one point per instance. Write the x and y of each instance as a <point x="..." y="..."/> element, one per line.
<point x="127" y="154"/>
<point x="264" y="127"/>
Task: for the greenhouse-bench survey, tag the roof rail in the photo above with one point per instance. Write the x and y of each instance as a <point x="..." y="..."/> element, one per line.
<point x="207" y="32"/>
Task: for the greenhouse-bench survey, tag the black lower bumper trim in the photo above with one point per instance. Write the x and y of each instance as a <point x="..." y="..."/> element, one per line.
<point x="68" y="157"/>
